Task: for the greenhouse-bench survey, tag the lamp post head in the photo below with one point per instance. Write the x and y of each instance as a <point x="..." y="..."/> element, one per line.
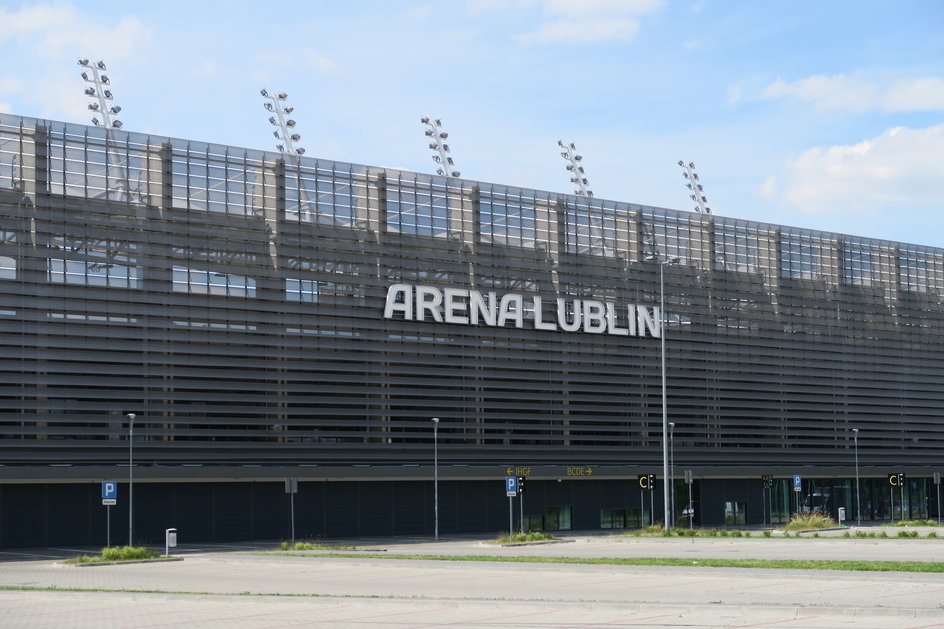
<point x="131" y="416"/>
<point x="435" y="420"/>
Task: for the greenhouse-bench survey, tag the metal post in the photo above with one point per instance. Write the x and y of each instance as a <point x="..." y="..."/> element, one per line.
<point x="436" y="478"/>
<point x="511" y="518"/>
<point x="672" y="471"/>
<point x="131" y="417"/>
<point x="665" y="412"/>
<point x="855" y="437"/>
<point x="292" y="502"/>
<point x="521" y="507"/>
<point x="901" y="490"/>
<point x="108" y="526"/>
<point x="690" y="514"/>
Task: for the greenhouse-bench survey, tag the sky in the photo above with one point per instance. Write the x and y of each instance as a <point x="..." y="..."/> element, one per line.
<point x="824" y="115"/>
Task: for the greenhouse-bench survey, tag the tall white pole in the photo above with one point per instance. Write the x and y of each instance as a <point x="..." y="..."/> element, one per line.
<point x="436" y="478"/>
<point x="665" y="411"/>
<point x="672" y="470"/>
<point x="855" y="437"/>
<point x="131" y="417"/>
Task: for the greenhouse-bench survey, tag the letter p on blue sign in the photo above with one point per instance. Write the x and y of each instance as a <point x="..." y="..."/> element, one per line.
<point x="109" y="489"/>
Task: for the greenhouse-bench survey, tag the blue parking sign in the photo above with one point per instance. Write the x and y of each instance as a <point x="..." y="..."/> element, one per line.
<point x="109" y="489"/>
<point x="797" y="482"/>
<point x="511" y="485"/>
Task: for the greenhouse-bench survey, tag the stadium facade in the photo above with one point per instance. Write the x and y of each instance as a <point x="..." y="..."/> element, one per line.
<point x="269" y="317"/>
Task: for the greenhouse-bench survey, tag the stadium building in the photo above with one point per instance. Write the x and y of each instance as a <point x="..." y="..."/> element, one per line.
<point x="268" y="317"/>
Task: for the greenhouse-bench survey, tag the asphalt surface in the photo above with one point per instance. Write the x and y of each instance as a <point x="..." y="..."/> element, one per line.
<point x="231" y="586"/>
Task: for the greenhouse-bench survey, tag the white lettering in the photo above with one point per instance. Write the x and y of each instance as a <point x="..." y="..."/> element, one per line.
<point x="464" y="307"/>
<point x="510" y="308"/>
<point x="399" y="299"/>
<point x="539" y="323"/>
<point x="593" y="320"/>
<point x="647" y="321"/>
<point x="479" y="308"/>
<point x="574" y="310"/>
<point x="428" y="299"/>
<point x="611" y="322"/>
<point x="453" y="309"/>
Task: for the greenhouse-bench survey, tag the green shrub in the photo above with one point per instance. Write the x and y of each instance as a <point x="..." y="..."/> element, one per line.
<point x="809" y="521"/>
<point x="127" y="553"/>
<point x="530" y="536"/>
<point x="907" y="533"/>
<point x="767" y="533"/>
<point x="932" y="533"/>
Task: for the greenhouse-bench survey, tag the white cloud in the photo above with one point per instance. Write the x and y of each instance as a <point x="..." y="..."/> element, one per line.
<point x="857" y="93"/>
<point x="915" y="95"/>
<point x="583" y="8"/>
<point x="582" y="31"/>
<point x="321" y="64"/>
<point x="589" y="21"/>
<point x="57" y="30"/>
<point x="899" y="170"/>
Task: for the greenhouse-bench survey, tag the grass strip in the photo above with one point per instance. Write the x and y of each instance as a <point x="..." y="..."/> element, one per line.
<point x="770" y="564"/>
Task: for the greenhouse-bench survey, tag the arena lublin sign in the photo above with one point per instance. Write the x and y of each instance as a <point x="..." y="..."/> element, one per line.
<point x="471" y="307"/>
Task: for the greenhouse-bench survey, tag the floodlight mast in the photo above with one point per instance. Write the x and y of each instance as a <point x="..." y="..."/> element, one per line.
<point x="285" y="125"/>
<point x="441" y="157"/>
<point x="101" y="94"/>
<point x="697" y="192"/>
<point x="575" y="169"/>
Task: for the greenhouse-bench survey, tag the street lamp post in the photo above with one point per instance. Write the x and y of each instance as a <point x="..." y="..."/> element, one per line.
<point x="665" y="411"/>
<point x="436" y="478"/>
<point x="672" y="470"/>
<point x="131" y="417"/>
<point x="855" y="438"/>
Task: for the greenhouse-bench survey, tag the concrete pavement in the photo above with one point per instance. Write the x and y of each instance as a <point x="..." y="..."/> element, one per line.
<point x="230" y="587"/>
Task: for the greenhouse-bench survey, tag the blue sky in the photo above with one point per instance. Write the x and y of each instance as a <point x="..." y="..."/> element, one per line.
<point x="828" y="115"/>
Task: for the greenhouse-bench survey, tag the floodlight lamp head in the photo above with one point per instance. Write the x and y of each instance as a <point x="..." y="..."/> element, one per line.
<point x="93" y="106"/>
<point x="563" y="154"/>
<point x="95" y="121"/>
<point x="101" y="65"/>
<point x="83" y="61"/>
<point x="560" y="143"/>
<point x="445" y="147"/>
<point x="681" y="163"/>
<point x="570" y="167"/>
<point x="105" y="80"/>
<point x="89" y="91"/>
<point x="289" y="123"/>
<point x="438" y="122"/>
<point x="296" y="137"/>
<point x="108" y="94"/>
<point x="439" y="171"/>
<point x="276" y="134"/>
<point x="437" y="159"/>
<point x="425" y="119"/>
<point x="85" y="76"/>
<point x="281" y="147"/>
<point x="268" y="106"/>
<point x="573" y="146"/>
<point x="577" y="158"/>
<point x="691" y="164"/>
<point x="444" y="135"/>
<point x="300" y="151"/>
<point x="282" y="96"/>
<point x="429" y="132"/>
<point x="288" y="110"/>
<point x="456" y="173"/>
<point x="116" y="109"/>
<point x="117" y="124"/>
<point x="264" y="92"/>
<point x="272" y="120"/>
<point x="685" y="174"/>
<point x="433" y="145"/>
